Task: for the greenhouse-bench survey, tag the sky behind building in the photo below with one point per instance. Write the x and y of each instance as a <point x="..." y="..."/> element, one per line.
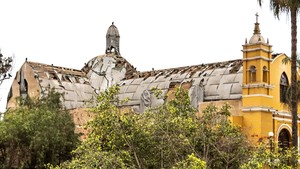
<point x="154" y="34"/>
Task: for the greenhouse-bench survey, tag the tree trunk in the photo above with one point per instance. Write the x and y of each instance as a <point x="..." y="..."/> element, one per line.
<point x="294" y="105"/>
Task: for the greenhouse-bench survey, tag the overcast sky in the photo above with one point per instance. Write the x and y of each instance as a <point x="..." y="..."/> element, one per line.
<point x="154" y="34"/>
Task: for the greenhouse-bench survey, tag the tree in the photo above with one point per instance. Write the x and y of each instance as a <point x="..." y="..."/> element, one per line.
<point x="5" y="67"/>
<point x="36" y="133"/>
<point x="167" y="136"/>
<point x="192" y="162"/>
<point x="221" y="143"/>
<point x="261" y="157"/>
<point x="288" y="91"/>
<point x="290" y="7"/>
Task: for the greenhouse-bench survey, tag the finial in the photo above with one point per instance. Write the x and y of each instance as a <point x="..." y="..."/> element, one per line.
<point x="256" y="27"/>
<point x="112" y="23"/>
<point x="268" y="41"/>
<point x="256" y="17"/>
<point x="246" y="41"/>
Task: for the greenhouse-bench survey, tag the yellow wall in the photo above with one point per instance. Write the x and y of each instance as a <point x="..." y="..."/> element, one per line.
<point x="236" y="106"/>
<point x="257" y="125"/>
<point x="262" y="111"/>
<point x="277" y="68"/>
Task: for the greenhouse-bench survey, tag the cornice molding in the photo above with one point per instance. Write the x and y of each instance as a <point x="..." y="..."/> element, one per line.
<point x="258" y="57"/>
<point x="257" y="85"/>
<point x="265" y="109"/>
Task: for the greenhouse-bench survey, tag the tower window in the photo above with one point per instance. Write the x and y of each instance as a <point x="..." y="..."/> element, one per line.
<point x="252" y="74"/>
<point x="284" y="83"/>
<point x="265" y="74"/>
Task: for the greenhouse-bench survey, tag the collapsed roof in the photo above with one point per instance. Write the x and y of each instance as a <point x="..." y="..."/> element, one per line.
<point x="208" y="82"/>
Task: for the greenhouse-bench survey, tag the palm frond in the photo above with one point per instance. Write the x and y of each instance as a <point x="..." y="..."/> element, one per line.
<point x="287" y="94"/>
<point x="286" y="60"/>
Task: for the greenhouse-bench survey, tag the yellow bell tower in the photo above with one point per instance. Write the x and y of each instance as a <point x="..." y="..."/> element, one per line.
<point x="257" y="101"/>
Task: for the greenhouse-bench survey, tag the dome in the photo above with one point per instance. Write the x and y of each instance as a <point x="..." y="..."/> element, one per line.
<point x="105" y="70"/>
<point x="112" y="30"/>
<point x="256" y="38"/>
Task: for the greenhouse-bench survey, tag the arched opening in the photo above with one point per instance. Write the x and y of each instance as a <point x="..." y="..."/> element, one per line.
<point x="265" y="74"/>
<point x="284" y="139"/>
<point x="284" y="84"/>
<point x="252" y="74"/>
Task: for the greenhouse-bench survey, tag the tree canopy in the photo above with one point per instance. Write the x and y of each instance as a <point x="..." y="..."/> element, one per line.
<point x="39" y="134"/>
<point x="168" y="136"/>
<point x="36" y="133"/>
<point x="5" y="67"/>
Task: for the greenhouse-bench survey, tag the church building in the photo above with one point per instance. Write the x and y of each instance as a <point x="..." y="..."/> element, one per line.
<point x="253" y="85"/>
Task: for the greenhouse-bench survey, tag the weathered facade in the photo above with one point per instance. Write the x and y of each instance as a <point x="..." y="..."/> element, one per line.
<point x="252" y="85"/>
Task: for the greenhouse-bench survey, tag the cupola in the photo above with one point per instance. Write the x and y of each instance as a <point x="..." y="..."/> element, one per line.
<point x="256" y="37"/>
<point x="112" y="40"/>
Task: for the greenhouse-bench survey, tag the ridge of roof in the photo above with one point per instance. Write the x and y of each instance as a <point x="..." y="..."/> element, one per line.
<point x="190" y="69"/>
<point x="58" y="69"/>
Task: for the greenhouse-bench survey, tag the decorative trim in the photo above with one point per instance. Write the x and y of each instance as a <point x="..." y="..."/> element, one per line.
<point x="256" y="49"/>
<point x="285" y="114"/>
<point x="249" y="109"/>
<point x="284" y="126"/>
<point x="257" y="95"/>
<point x="257" y="85"/>
<point x="284" y="120"/>
<point x="258" y="57"/>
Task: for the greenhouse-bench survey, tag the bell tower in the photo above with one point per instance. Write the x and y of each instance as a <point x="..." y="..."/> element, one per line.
<point x="256" y="88"/>
<point x="257" y="56"/>
<point x="112" y="40"/>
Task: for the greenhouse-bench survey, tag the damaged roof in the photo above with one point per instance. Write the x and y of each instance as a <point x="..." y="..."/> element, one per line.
<point x="73" y="83"/>
<point x="214" y="81"/>
<point x="79" y="86"/>
<point x="108" y="69"/>
<point x="207" y="82"/>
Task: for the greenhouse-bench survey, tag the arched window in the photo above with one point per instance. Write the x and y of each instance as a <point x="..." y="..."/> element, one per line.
<point x="284" y="83"/>
<point x="265" y="74"/>
<point x="252" y="74"/>
<point x="284" y="139"/>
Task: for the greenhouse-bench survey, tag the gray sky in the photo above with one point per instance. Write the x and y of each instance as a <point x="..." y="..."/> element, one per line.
<point x="154" y="34"/>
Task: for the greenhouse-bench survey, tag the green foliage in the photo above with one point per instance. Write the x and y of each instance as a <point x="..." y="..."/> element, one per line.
<point x="261" y="157"/>
<point x="6" y="64"/>
<point x="173" y="127"/>
<point x="287" y="99"/>
<point x="221" y="143"/>
<point x="158" y="93"/>
<point x="112" y="137"/>
<point x="192" y="162"/>
<point x="168" y="136"/>
<point x="36" y="133"/>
